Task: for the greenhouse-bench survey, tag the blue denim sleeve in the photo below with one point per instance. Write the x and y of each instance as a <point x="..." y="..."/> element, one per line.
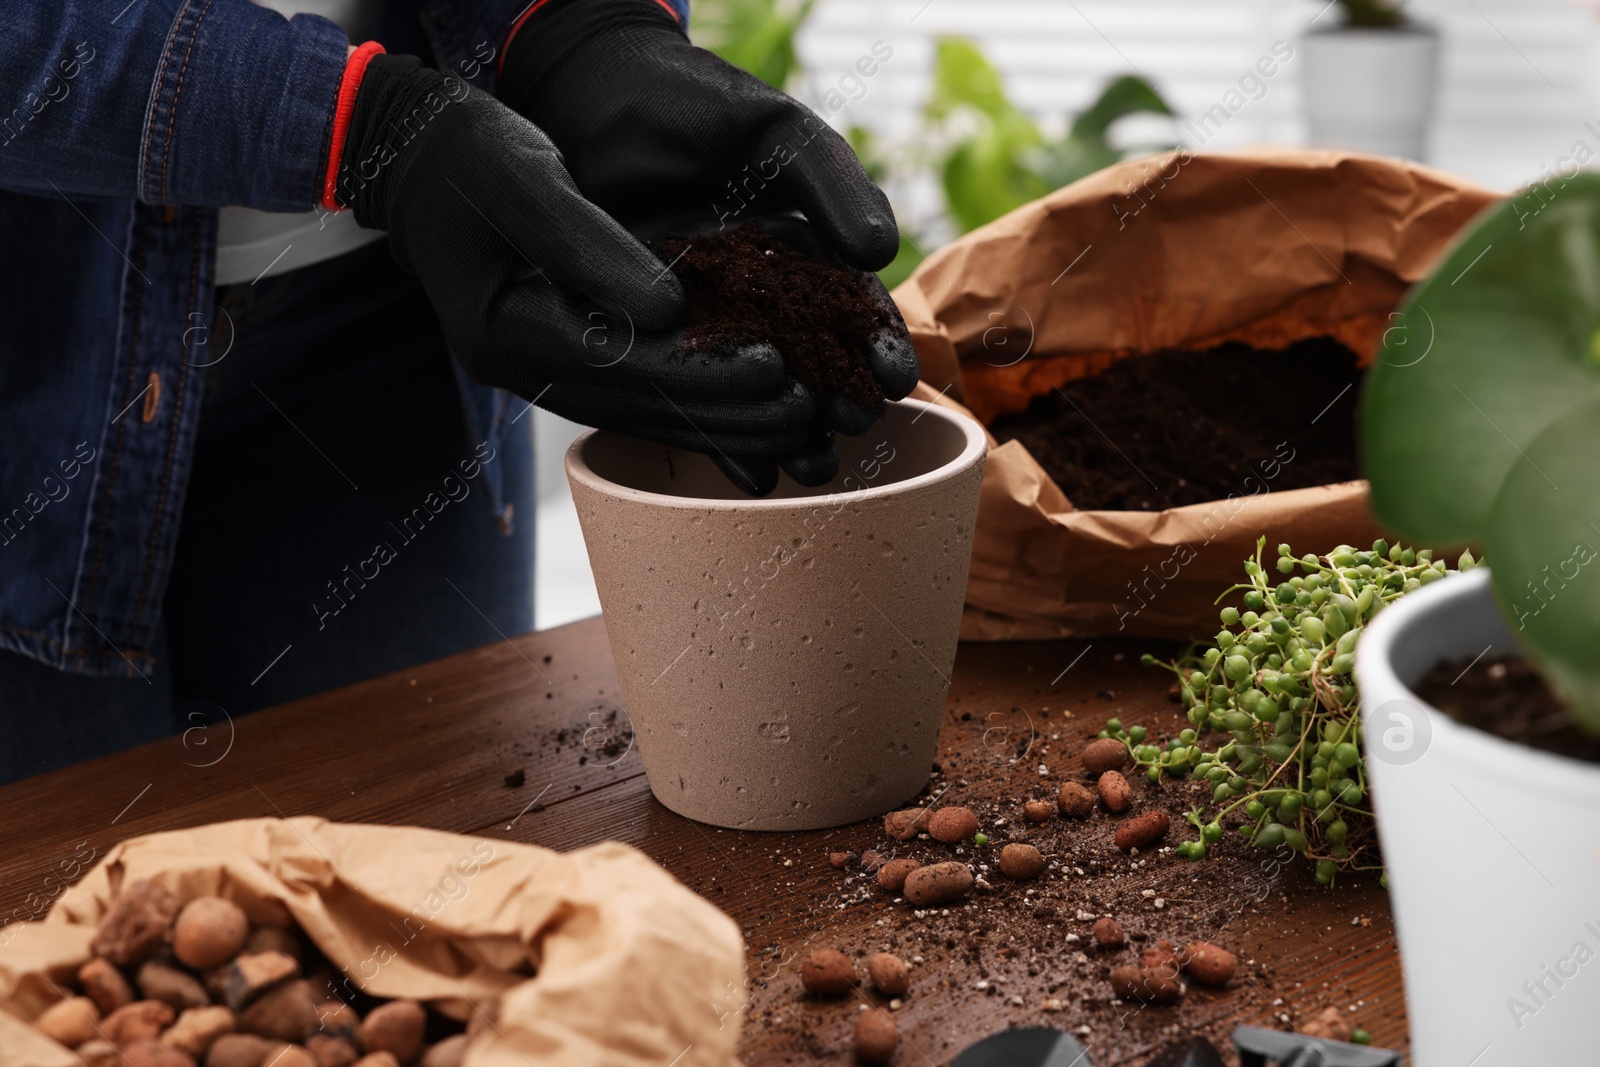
<point x="194" y="102"/>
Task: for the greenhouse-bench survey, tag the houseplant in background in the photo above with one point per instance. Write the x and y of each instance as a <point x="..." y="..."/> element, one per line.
<point x="1369" y="84"/>
<point x="987" y="155"/>
<point x="1481" y="423"/>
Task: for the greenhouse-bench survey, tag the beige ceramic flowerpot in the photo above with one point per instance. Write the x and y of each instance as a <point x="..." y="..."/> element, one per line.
<point x="785" y="660"/>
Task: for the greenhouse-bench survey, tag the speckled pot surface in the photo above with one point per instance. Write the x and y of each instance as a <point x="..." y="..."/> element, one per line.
<point x="785" y="660"/>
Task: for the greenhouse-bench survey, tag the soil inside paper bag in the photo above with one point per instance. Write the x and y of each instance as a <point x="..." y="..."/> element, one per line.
<point x="1185" y="427"/>
<point x="745" y="285"/>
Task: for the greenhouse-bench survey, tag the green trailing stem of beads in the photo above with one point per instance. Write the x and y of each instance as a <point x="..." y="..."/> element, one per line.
<point x="1274" y="715"/>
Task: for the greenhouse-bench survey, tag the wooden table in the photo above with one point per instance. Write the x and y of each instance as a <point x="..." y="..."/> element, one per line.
<point x="432" y="746"/>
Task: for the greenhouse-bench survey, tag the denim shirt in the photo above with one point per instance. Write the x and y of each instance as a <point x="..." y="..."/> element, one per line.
<point x="124" y="125"/>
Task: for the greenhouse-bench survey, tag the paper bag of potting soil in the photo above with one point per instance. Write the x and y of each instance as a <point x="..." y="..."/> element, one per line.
<point x="597" y="957"/>
<point x="1177" y="252"/>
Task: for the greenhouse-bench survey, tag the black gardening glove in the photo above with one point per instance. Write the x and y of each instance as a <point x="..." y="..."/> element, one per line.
<point x="540" y="291"/>
<point x="668" y="138"/>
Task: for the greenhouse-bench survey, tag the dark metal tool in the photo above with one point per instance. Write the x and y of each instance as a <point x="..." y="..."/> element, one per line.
<point x="1258" y="1047"/>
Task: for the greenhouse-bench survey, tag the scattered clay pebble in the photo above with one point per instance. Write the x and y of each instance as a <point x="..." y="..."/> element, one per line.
<point x="239" y="1050"/>
<point x="70" y="1022"/>
<point x="1141" y="984"/>
<point x="871" y="861"/>
<point x="1104" y="754"/>
<point x="1075" y="800"/>
<point x="1208" y="964"/>
<point x="904" y="825"/>
<point x="378" y="1059"/>
<point x="952" y="825"/>
<point x="447" y="1053"/>
<point x="1328" y="1025"/>
<point x="287" y="1012"/>
<point x="137" y="924"/>
<point x="1020" y="861"/>
<point x="276" y="939"/>
<point x="209" y="931"/>
<point x="1160" y="957"/>
<point x="171" y="985"/>
<point x="198" y="1029"/>
<point x="395" y="1027"/>
<point x="148" y="1053"/>
<point x="827" y="973"/>
<point x="287" y="1055"/>
<point x="937" y="883"/>
<point x="1108" y="934"/>
<point x="1038" y="811"/>
<point x="890" y="976"/>
<point x="250" y="975"/>
<point x="137" y="1021"/>
<point x="105" y="985"/>
<point x="840" y="860"/>
<point x="876" y="1036"/>
<point x="892" y="875"/>
<point x="338" y="1019"/>
<point x="1114" y="791"/>
<point x="1142" y="831"/>
<point x="341" y="1051"/>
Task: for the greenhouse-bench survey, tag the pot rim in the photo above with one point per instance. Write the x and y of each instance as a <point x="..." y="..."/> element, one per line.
<point x="972" y="452"/>
<point x="1547" y="771"/>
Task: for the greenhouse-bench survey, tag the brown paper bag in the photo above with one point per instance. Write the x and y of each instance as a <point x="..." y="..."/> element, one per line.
<point x="1177" y="251"/>
<point x="599" y="957"/>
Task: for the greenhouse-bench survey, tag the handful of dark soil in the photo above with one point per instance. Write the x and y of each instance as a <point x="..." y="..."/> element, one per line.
<point x="1183" y="427"/>
<point x="744" y="285"/>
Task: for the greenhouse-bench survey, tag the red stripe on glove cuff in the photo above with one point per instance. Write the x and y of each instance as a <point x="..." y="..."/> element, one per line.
<point x="354" y="68"/>
<point x="536" y="5"/>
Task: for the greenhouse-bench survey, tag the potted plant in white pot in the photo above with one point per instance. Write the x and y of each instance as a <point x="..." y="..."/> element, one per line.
<point x="1481" y="424"/>
<point x="1369" y="83"/>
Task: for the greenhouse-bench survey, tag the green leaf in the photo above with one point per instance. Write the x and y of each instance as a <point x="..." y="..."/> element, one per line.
<point x="1542" y="538"/>
<point x="1481" y="420"/>
<point x="986" y="176"/>
<point x="756" y="36"/>
<point x="1127" y="95"/>
<point x="1484" y="355"/>
<point x="963" y="77"/>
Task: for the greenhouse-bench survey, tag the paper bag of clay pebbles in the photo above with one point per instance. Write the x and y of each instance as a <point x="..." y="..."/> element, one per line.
<point x="305" y="943"/>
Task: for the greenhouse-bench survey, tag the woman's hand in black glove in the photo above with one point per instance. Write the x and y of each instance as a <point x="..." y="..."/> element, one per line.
<point x="663" y="134"/>
<point x="539" y="290"/>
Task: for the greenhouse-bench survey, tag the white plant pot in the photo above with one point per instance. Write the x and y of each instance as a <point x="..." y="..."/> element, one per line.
<point x="1371" y="90"/>
<point x="1493" y="852"/>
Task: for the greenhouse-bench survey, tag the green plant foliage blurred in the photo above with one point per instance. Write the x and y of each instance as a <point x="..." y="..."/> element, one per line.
<point x="989" y="156"/>
<point x="754" y="35"/>
<point x="1480" y="420"/>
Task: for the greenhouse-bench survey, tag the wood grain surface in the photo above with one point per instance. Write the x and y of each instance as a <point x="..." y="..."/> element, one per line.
<point x="433" y="746"/>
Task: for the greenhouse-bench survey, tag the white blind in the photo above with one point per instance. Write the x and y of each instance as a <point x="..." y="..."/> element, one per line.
<point x="1519" y="77"/>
